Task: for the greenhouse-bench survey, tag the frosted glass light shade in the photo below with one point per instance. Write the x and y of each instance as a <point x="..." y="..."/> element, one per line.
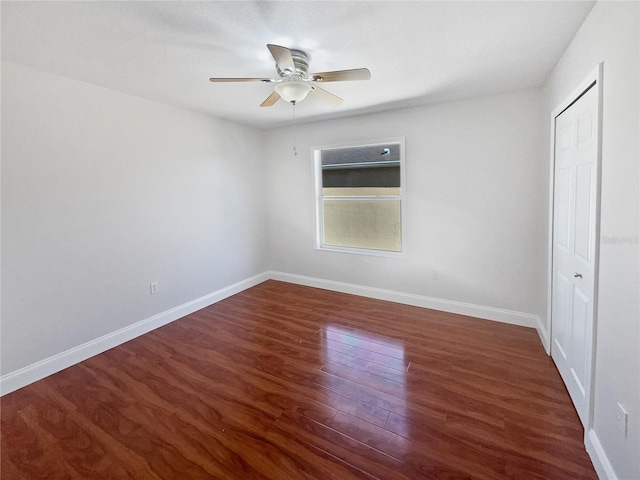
<point x="293" y="90"/>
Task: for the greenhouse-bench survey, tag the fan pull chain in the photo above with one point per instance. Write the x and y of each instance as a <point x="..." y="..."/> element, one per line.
<point x="295" y="152"/>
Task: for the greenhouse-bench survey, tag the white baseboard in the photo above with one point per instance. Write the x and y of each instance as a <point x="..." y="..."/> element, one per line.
<point x="450" y="306"/>
<point x="39" y="370"/>
<point x="601" y="463"/>
<point x="17" y="379"/>
<point x="543" y="333"/>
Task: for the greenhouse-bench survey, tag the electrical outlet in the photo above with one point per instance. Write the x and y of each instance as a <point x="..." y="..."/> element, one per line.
<point x="367" y="265"/>
<point x="436" y="275"/>
<point x="622" y="418"/>
<point x="153" y="288"/>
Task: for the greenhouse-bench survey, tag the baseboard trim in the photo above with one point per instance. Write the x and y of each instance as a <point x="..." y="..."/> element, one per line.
<point x="20" y="378"/>
<point x="599" y="458"/>
<point x="450" y="306"/>
<point x="543" y="333"/>
<point x="39" y="370"/>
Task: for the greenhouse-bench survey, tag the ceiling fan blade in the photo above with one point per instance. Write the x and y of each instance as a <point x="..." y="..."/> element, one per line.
<point x="265" y="80"/>
<point x="283" y="58"/>
<point x="341" y="75"/>
<point x="271" y="99"/>
<point x="326" y="96"/>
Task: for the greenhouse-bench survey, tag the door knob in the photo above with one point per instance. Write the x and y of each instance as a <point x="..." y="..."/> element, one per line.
<point x="577" y="275"/>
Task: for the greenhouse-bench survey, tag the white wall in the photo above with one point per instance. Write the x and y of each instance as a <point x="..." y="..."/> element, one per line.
<point x="475" y="202"/>
<point x="103" y="193"/>
<point x="611" y="34"/>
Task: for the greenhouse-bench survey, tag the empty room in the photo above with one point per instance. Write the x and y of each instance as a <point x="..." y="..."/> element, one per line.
<point x="320" y="240"/>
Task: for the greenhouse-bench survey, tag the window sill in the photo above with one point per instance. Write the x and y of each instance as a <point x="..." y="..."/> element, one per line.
<point x="360" y="251"/>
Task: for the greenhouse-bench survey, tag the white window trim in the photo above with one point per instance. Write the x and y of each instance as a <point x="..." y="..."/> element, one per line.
<point x="317" y="176"/>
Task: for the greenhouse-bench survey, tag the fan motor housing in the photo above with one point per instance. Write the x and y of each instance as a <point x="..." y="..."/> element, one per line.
<point x="300" y="60"/>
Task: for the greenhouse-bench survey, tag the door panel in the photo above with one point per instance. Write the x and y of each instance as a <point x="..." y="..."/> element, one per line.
<point x="563" y="211"/>
<point x="560" y="310"/>
<point x="574" y="213"/>
<point x="583" y="212"/>
<point x="585" y="129"/>
<point x="563" y="138"/>
<point x="579" y="332"/>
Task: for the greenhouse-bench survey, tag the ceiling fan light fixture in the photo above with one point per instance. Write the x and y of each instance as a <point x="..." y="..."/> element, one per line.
<point x="294" y="82"/>
<point x="293" y="90"/>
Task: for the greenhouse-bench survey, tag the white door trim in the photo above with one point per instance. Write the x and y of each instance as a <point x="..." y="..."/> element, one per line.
<point x="594" y="77"/>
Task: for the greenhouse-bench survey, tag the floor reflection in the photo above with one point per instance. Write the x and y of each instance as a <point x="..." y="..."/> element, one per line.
<point x="367" y="380"/>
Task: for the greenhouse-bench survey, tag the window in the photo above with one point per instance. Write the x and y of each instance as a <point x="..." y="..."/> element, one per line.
<point x="359" y="197"/>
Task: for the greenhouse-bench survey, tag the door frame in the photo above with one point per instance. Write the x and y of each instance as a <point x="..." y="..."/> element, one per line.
<point x="592" y="80"/>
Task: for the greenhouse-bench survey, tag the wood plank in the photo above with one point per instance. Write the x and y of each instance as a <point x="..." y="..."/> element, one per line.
<point x="289" y="382"/>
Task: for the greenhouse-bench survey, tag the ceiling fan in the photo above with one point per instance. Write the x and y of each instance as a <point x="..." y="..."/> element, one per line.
<point x="295" y="82"/>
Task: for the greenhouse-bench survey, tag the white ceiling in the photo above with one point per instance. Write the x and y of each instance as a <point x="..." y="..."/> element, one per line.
<point x="418" y="52"/>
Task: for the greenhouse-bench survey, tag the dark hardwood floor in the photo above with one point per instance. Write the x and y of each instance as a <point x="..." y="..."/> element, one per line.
<point x="289" y="382"/>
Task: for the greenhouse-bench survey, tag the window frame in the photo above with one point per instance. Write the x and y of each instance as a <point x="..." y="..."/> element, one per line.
<point x="319" y="206"/>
